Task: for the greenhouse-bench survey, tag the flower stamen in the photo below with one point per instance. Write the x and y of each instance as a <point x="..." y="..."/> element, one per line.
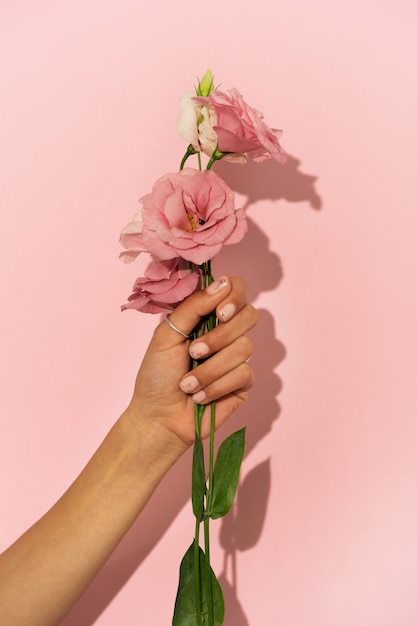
<point x="191" y="219"/>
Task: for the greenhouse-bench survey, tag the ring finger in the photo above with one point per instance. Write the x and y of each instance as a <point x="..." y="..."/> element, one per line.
<point x="220" y="364"/>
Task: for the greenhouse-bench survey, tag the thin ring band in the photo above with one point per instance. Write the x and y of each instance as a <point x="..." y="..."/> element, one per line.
<point x="177" y="330"/>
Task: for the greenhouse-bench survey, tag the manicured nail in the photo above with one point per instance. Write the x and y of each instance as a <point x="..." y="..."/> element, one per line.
<point x="189" y="384"/>
<point x="199" y="397"/>
<point x="216" y="285"/>
<point x="198" y="350"/>
<point x="227" y="311"/>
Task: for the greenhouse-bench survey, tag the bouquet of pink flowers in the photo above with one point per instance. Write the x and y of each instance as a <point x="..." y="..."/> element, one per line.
<point x="183" y="223"/>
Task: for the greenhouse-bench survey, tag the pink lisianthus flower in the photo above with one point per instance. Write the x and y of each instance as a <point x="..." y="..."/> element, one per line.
<point x="131" y="239"/>
<point x="191" y="214"/>
<point x="241" y="129"/>
<point x="164" y="285"/>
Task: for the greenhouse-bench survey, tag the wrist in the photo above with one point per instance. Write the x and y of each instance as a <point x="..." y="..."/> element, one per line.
<point x="151" y="441"/>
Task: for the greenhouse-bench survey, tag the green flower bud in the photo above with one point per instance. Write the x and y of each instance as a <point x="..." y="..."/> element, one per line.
<point x="205" y="85"/>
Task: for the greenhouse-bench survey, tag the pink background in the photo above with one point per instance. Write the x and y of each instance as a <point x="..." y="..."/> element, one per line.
<point x="325" y="527"/>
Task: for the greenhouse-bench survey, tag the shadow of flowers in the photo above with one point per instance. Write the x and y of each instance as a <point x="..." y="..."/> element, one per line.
<point x="242" y="528"/>
<point x="271" y="181"/>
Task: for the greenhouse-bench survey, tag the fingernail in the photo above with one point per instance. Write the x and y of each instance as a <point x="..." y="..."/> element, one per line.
<point x="189" y="384"/>
<point x="199" y="397"/>
<point x="216" y="285"/>
<point x="199" y="349"/>
<point x="227" y="311"/>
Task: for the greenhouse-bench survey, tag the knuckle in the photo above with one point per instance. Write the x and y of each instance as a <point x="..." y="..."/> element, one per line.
<point x="245" y="346"/>
<point x="247" y="374"/>
<point x="252" y="314"/>
<point x="239" y="280"/>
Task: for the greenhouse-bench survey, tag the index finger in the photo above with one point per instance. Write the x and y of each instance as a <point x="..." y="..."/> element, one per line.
<point x="227" y="296"/>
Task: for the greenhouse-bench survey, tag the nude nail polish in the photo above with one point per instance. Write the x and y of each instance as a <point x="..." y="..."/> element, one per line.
<point x="217" y="285"/>
<point x="227" y="311"/>
<point x="199" y="350"/>
<point x="199" y="397"/>
<point x="189" y="384"/>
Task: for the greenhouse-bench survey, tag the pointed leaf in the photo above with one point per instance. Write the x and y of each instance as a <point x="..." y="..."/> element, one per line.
<point x="185" y="603"/>
<point x="198" y="489"/>
<point x="217" y="597"/>
<point x="226" y="473"/>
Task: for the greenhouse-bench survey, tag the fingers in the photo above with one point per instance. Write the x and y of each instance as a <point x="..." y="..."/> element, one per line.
<point x="235" y="300"/>
<point x="227" y="296"/>
<point x="224" y="373"/>
<point x="240" y="379"/>
<point x="224" y="334"/>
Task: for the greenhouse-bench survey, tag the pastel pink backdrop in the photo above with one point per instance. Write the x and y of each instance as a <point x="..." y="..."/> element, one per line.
<point x="324" y="530"/>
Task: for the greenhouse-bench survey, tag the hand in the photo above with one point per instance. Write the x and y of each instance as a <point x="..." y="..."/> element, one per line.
<point x="166" y="390"/>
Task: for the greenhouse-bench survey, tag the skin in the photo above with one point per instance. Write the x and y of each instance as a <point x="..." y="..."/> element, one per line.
<point x="48" y="568"/>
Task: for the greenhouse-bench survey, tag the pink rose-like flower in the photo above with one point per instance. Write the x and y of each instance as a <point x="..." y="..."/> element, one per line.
<point x="191" y="214"/>
<point x="164" y="285"/>
<point x="241" y="129"/>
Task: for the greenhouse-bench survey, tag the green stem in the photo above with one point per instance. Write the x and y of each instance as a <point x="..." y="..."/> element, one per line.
<point x="198" y="414"/>
<point x="208" y="325"/>
<point x="211" y="456"/>
<point x="190" y="151"/>
<point x="209" y="589"/>
<point x="197" y="581"/>
<point x="216" y="156"/>
<point x="209" y="274"/>
<point x="197" y="418"/>
<point x="211" y="324"/>
<point x="208" y="571"/>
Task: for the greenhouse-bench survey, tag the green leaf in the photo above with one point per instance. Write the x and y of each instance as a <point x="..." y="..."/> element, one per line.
<point x="217" y="599"/>
<point x="185" y="603"/>
<point x="226" y="473"/>
<point x="198" y="489"/>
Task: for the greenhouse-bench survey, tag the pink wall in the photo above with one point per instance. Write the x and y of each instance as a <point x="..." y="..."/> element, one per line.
<point x="326" y="519"/>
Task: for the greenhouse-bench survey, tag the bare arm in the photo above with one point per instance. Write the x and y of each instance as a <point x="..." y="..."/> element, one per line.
<point x="47" y="569"/>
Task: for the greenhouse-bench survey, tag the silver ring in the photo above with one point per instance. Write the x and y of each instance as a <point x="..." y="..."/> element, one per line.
<point x="177" y="330"/>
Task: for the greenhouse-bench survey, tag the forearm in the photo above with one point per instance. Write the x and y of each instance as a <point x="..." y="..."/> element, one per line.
<point x="49" y="567"/>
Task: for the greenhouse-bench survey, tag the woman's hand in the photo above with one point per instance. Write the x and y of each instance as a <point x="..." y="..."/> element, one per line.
<point x="77" y="535"/>
<point x="167" y="388"/>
